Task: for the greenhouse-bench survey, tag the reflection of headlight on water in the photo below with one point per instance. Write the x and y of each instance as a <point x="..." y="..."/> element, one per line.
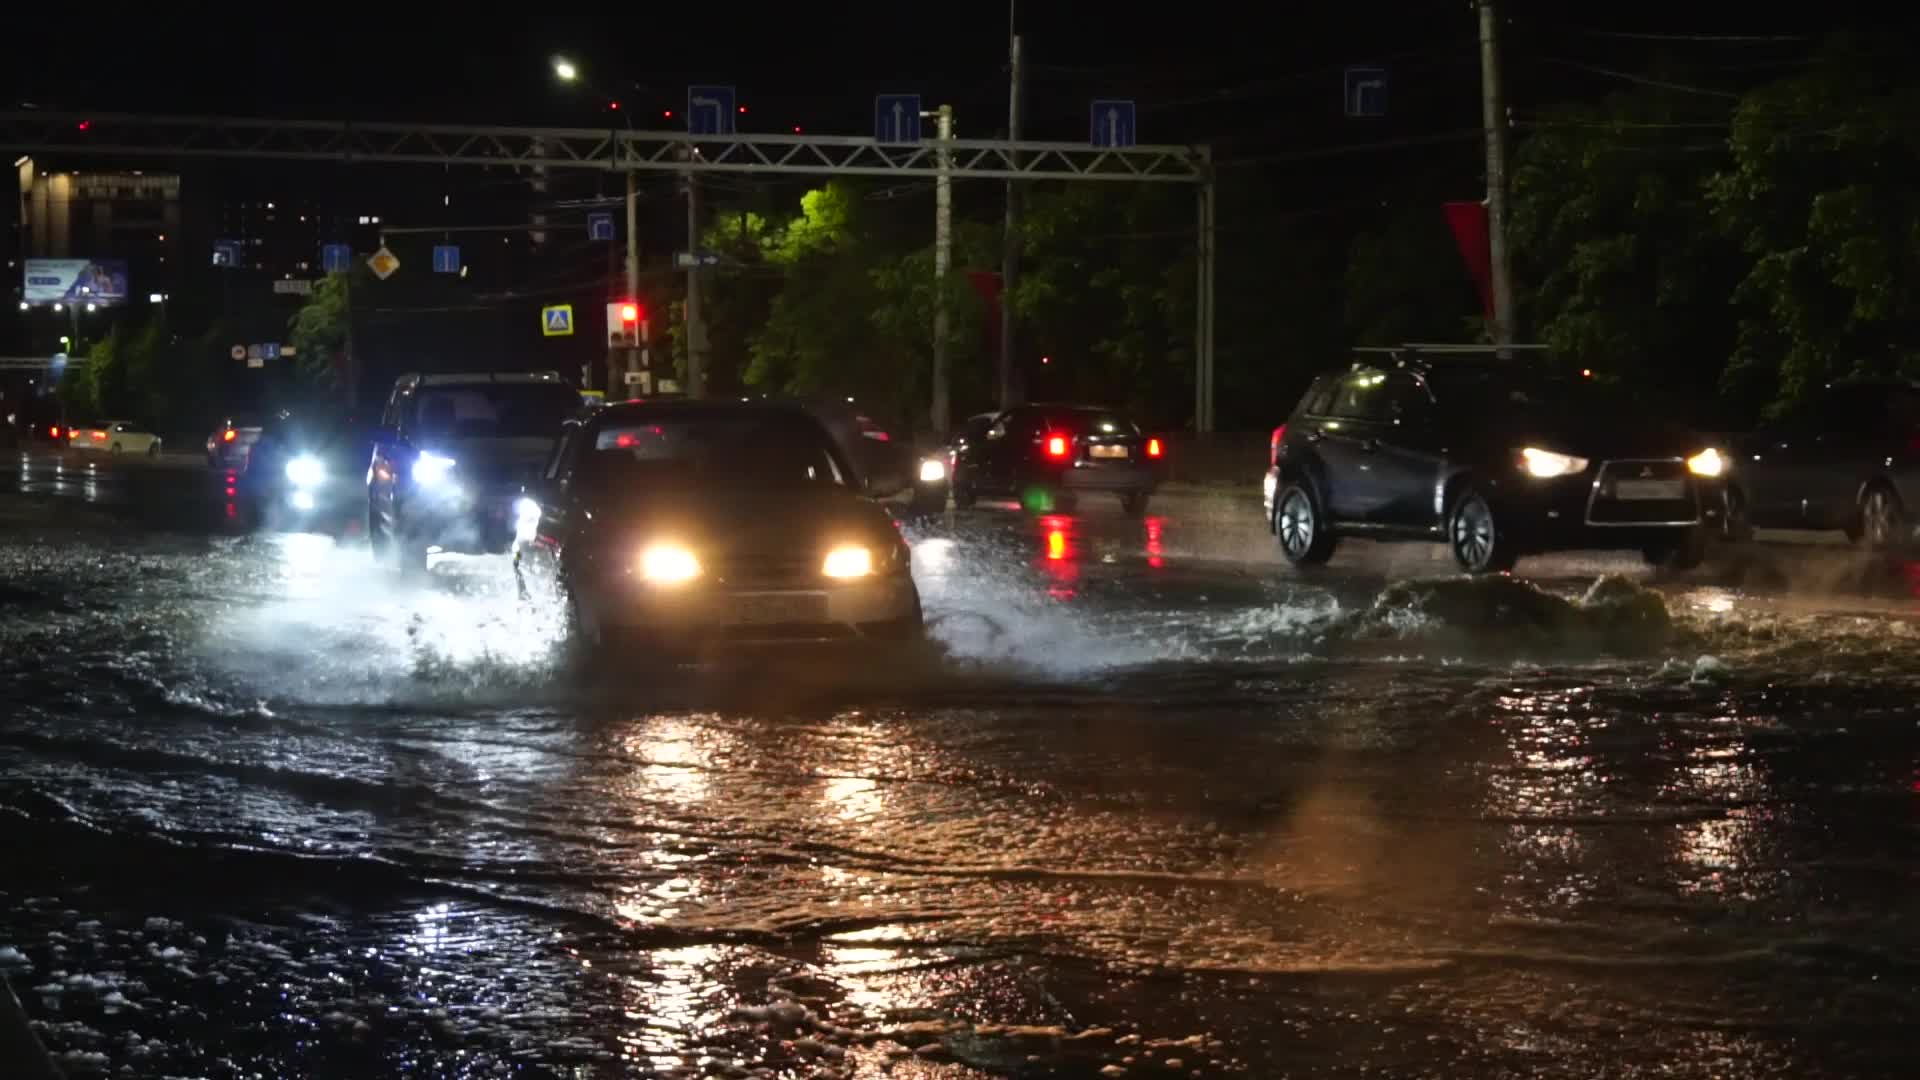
<point x="306" y="471"/>
<point x="302" y="500"/>
<point x="932" y="471"/>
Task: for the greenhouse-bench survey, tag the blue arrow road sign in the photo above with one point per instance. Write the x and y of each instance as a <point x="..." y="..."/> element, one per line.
<point x="600" y="226"/>
<point x="446" y="258"/>
<point x="1366" y="91"/>
<point x="335" y="258"/>
<point x="896" y="118"/>
<point x="1112" y="123"/>
<point x="270" y="350"/>
<point x="710" y="110"/>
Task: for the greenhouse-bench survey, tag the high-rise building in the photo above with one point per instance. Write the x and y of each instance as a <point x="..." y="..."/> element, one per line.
<point x="130" y="215"/>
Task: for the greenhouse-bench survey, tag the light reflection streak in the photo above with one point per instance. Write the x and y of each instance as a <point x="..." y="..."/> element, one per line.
<point x="679" y="1002"/>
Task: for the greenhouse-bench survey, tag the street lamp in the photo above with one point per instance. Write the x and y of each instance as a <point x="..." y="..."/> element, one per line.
<point x="568" y="73"/>
<point x="565" y="69"/>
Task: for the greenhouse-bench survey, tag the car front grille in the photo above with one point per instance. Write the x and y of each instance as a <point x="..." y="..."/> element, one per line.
<point x="748" y="570"/>
<point x="1613" y="500"/>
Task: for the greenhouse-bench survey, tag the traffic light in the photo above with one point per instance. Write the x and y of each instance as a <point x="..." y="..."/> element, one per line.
<point x="623" y="325"/>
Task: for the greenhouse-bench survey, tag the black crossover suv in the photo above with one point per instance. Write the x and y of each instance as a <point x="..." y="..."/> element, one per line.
<point x="1498" y="458"/>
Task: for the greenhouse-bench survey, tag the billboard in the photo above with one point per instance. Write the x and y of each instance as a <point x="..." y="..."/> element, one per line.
<point x="101" y="281"/>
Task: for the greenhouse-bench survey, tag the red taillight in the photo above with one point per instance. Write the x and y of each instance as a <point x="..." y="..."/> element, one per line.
<point x="56" y="431"/>
<point x="1056" y="446"/>
<point x="228" y="435"/>
<point x="1153" y="448"/>
<point x="1273" y="448"/>
<point x="99" y="436"/>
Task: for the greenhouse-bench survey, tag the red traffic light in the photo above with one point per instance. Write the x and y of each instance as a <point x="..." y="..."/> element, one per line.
<point x="629" y="313"/>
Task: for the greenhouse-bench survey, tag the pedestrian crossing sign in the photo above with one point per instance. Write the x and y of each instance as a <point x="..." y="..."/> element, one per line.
<point x="556" y="320"/>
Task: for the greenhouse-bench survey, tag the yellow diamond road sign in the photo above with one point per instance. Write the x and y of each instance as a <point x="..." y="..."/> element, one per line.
<point x="556" y="320"/>
<point x="384" y="263"/>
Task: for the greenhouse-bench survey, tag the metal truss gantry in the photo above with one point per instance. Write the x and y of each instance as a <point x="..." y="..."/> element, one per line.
<point x="624" y="150"/>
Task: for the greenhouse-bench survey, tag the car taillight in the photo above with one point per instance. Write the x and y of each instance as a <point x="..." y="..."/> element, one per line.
<point x="228" y="435"/>
<point x="99" y="436"/>
<point x="1153" y="448"/>
<point x="56" y="431"/>
<point x="1273" y="448"/>
<point x="1056" y="446"/>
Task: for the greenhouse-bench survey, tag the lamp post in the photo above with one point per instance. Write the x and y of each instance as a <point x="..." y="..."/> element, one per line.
<point x="569" y="72"/>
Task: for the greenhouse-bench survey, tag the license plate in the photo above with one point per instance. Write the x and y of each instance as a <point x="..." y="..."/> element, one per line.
<point x="780" y="608"/>
<point x="1649" y="489"/>
<point x="1107" y="452"/>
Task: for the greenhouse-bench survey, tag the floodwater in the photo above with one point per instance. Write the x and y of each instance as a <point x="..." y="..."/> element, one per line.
<point x="1159" y="808"/>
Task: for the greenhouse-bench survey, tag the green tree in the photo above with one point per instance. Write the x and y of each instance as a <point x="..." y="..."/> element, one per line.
<point x="1405" y="280"/>
<point x="1819" y="195"/>
<point x="1614" y="252"/>
<point x="1107" y="291"/>
<point x="319" y="331"/>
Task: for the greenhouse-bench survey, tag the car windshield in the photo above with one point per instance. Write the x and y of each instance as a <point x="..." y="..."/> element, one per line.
<point x="493" y="410"/>
<point x="741" y="450"/>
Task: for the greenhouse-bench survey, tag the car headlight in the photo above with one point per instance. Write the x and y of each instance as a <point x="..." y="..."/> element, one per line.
<point x="1707" y="462"/>
<point x="430" y="470"/>
<point x="668" y="564"/>
<point x="848" y="562"/>
<point x="932" y="471"/>
<point x="306" y="471"/>
<point x="526" y="520"/>
<point x="1546" y="464"/>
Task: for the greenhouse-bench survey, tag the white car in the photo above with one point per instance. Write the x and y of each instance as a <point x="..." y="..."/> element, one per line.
<point x="115" y="437"/>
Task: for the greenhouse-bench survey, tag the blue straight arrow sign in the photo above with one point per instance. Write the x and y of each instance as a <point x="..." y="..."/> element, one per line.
<point x="896" y="118"/>
<point x="1112" y="123"/>
<point x="335" y="258"/>
<point x="446" y="259"/>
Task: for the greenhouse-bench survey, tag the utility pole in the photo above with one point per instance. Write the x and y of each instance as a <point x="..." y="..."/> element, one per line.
<point x="1010" y="243"/>
<point x="1493" y="108"/>
<point x="635" y="359"/>
<point x="696" y="326"/>
<point x="942" y="258"/>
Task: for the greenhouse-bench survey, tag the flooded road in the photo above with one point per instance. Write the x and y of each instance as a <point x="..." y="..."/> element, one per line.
<point x="1161" y="808"/>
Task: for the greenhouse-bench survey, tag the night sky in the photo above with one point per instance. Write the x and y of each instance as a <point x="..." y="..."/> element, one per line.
<point x="1249" y="78"/>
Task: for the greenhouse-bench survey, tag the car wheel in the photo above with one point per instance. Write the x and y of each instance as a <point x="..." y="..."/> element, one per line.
<point x="927" y="502"/>
<point x="153" y="449"/>
<point x="1883" y="521"/>
<point x="1475" y="538"/>
<point x="1134" y="503"/>
<point x="377" y="539"/>
<point x="1736" y="524"/>
<point x="1686" y="552"/>
<point x="1302" y="531"/>
<point x="115" y="448"/>
<point x="962" y="488"/>
<point x="586" y="647"/>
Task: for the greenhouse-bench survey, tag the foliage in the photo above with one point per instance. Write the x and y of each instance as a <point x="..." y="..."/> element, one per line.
<point x="1819" y="196"/>
<point x="1613" y="249"/>
<point x="1405" y="280"/>
<point x="1107" y="291"/>
<point x="319" y="331"/>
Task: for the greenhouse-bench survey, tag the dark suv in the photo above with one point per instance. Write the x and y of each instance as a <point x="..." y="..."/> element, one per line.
<point x="1498" y="458"/>
<point x="451" y="457"/>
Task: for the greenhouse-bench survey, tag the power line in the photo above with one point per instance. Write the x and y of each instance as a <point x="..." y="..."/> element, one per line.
<point x="1463" y="135"/>
<point x="1626" y="35"/>
<point x="1627" y="76"/>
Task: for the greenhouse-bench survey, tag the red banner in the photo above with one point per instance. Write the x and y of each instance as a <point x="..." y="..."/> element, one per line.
<point x="1469" y="221"/>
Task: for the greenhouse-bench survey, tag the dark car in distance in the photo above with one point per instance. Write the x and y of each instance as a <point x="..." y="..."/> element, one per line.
<point x="1497" y="458"/>
<point x="1047" y="456"/>
<point x="1846" y="459"/>
<point x="306" y="471"/>
<point x="678" y="529"/>
<point x="451" y="456"/>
